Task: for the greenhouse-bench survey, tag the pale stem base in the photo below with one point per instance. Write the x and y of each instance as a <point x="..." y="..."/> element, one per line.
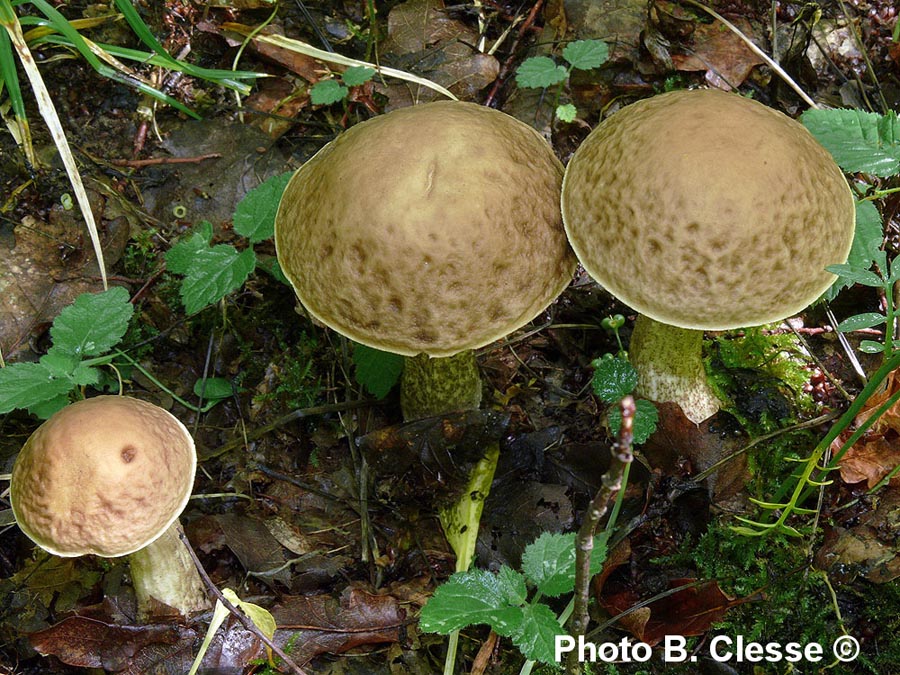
<point x="669" y="362"/>
<point x="163" y="572"/>
<point x="435" y="386"/>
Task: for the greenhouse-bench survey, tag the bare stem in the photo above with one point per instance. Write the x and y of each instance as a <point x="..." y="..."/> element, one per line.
<point x="611" y="483"/>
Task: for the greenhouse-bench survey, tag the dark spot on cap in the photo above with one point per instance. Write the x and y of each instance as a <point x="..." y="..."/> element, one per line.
<point x="128" y="453"/>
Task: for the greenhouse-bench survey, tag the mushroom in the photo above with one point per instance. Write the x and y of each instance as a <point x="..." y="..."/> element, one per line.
<point x="704" y="210"/>
<point x="109" y="476"/>
<point x="428" y="232"/>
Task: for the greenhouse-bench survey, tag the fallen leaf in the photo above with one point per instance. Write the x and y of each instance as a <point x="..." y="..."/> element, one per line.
<point x="877" y="452"/>
<point x="321" y="624"/>
<point x="717" y="50"/>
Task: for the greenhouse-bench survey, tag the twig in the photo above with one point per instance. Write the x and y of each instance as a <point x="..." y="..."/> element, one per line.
<point x="611" y="483"/>
<point x="154" y="161"/>
<point x="507" y="65"/>
<point x="243" y="618"/>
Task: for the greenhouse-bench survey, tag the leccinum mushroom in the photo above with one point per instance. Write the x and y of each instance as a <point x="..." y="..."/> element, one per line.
<point x="428" y="232"/>
<point x="704" y="210"/>
<point x="109" y="476"/>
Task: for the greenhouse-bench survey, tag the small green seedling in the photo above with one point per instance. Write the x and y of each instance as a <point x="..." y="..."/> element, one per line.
<point x="502" y="601"/>
<point x="614" y="378"/>
<point x="541" y="72"/>
<point x="326" y="92"/>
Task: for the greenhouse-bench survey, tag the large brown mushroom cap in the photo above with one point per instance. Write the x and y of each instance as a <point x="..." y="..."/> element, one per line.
<point x="431" y="229"/>
<point x="707" y="210"/>
<point x="106" y="475"/>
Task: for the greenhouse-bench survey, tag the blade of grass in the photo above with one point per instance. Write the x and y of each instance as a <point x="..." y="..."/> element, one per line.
<point x="10" y="79"/>
<point x="10" y="23"/>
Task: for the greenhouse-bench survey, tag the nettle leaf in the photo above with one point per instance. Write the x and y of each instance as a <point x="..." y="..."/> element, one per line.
<point x="180" y="258"/>
<point x="216" y="272"/>
<point x="861" y="321"/>
<point x="566" y="112"/>
<point x="859" y="141"/>
<point x="646" y="418"/>
<point x="93" y="324"/>
<point x="376" y="370"/>
<point x="326" y="92"/>
<point x="856" y="276"/>
<point x="254" y="216"/>
<point x="475" y="597"/>
<point x="549" y="562"/>
<point x="539" y="72"/>
<point x="867" y="240"/>
<point x="613" y="379"/>
<point x="586" y="54"/>
<point x="24" y="385"/>
<point x="357" y="75"/>
<point x="536" y="638"/>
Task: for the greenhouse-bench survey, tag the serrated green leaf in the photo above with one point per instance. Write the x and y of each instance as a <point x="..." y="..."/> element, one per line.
<point x="586" y="54"/>
<point x="59" y="362"/>
<point x="539" y="72"/>
<point x="93" y="324"/>
<point x="549" y="562"/>
<point x="566" y="112"/>
<point x="646" y="417"/>
<point x="85" y="376"/>
<point x="613" y="379"/>
<point x="180" y="258"/>
<point x="856" y="276"/>
<point x="376" y="370"/>
<point x="859" y="141"/>
<point x="24" y="385"/>
<point x="326" y="92"/>
<point x="357" y="75"/>
<point x="254" y="216"/>
<point x="867" y="239"/>
<point x="47" y="409"/>
<point x="861" y="321"/>
<point x="215" y="273"/>
<point x="474" y="597"/>
<point x="536" y="638"/>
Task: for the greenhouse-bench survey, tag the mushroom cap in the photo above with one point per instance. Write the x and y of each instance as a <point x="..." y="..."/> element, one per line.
<point x="707" y="210"/>
<point x="430" y="229"/>
<point x="106" y="475"/>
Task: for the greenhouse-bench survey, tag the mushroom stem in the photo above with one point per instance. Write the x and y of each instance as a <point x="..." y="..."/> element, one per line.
<point x="434" y="386"/>
<point x="669" y="362"/>
<point x="163" y="572"/>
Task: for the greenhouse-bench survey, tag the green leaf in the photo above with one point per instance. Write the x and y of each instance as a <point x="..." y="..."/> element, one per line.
<point x="180" y="258"/>
<point x="861" y="321"/>
<point x="539" y="72"/>
<point x="85" y="376"/>
<point x="376" y="370"/>
<point x="859" y="141"/>
<point x="357" y="75"/>
<point x="646" y="418"/>
<point x="215" y="389"/>
<point x="566" y="112"/>
<point x="93" y="324"/>
<point x="326" y="92"/>
<point x="871" y="347"/>
<point x="46" y="409"/>
<point x="473" y="597"/>
<point x="23" y="385"/>
<point x="549" y="562"/>
<point x="867" y="240"/>
<point x="215" y="273"/>
<point x="613" y="379"/>
<point x="856" y="276"/>
<point x="254" y="216"/>
<point x="536" y="637"/>
<point x="586" y="54"/>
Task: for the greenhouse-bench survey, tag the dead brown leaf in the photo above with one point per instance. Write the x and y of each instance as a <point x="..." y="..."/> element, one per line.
<point x="874" y="455"/>
<point x="721" y="53"/>
<point x="321" y="624"/>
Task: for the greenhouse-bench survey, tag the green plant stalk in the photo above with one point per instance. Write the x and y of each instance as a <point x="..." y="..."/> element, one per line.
<point x="669" y="362"/>
<point x="10" y="22"/>
<point x="10" y="79"/>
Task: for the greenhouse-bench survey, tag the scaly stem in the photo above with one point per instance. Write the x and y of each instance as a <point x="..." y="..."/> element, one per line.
<point x="435" y="386"/>
<point x="163" y="572"/>
<point x="669" y="362"/>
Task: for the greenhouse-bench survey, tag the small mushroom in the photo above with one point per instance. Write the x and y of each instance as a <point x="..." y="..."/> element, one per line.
<point x="109" y="476"/>
<point x="704" y="210"/>
<point x="428" y="232"/>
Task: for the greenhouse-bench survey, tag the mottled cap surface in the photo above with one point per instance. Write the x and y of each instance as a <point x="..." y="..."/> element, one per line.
<point x="431" y="229"/>
<point x="106" y="475"/>
<point x="707" y="210"/>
